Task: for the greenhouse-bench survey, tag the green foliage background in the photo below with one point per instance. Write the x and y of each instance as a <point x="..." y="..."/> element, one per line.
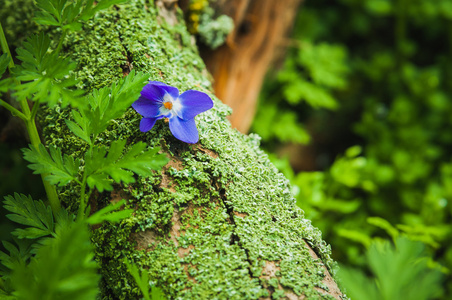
<point x="367" y="84"/>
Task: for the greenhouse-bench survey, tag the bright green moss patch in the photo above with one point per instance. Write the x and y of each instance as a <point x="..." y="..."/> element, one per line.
<point x="219" y="222"/>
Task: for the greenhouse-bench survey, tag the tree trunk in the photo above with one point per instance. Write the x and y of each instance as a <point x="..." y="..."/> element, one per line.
<point x="239" y="66"/>
<point x="219" y="221"/>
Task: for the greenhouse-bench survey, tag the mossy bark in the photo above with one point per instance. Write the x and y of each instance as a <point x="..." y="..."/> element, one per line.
<point x="219" y="221"/>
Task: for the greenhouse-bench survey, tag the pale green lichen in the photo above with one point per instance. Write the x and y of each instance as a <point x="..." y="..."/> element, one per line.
<point x="233" y="209"/>
<point x="201" y="20"/>
<point x="213" y="31"/>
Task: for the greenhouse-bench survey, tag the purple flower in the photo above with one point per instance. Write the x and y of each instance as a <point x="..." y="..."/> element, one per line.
<point x="159" y="100"/>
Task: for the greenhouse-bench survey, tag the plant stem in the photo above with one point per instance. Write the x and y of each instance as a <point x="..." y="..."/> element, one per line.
<point x="5" y="47"/>
<point x="60" y="43"/>
<point x="13" y="110"/>
<point x="27" y="116"/>
<point x="81" y="208"/>
<point x="34" y="110"/>
<point x="35" y="140"/>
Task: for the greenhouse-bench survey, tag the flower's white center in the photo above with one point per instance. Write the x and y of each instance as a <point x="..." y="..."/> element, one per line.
<point x="170" y="106"/>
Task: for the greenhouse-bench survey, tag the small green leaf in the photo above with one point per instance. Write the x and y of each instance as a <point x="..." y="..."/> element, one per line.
<point x="89" y="11"/>
<point x="107" y="214"/>
<point x="68" y="14"/>
<point x="61" y="169"/>
<point x="44" y="18"/>
<point x="157" y="293"/>
<point x="142" y="280"/>
<point x="7" y="84"/>
<point x="77" y="130"/>
<point x="315" y="95"/>
<point x="106" y="104"/>
<point x="356" y="236"/>
<point x="63" y="268"/>
<point x="18" y="256"/>
<point x="45" y="76"/>
<point x="28" y="212"/>
<point x="326" y="64"/>
<point x="4" y="61"/>
<point x="272" y="121"/>
<point x="358" y="285"/>
<point x="385" y="225"/>
<point x="100" y="165"/>
<point x="399" y="272"/>
<point x="73" y="26"/>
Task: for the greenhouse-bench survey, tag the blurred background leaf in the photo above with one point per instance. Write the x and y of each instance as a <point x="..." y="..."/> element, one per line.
<point x="399" y="272"/>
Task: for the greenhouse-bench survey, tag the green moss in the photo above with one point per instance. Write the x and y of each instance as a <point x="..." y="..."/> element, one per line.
<point x="206" y="226"/>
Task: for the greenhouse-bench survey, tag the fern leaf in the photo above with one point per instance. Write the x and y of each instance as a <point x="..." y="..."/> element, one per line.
<point x="399" y="272"/>
<point x="4" y="61"/>
<point x="89" y="10"/>
<point x="108" y="214"/>
<point x="68" y="14"/>
<point x="18" y="256"/>
<point x="61" y="169"/>
<point x="62" y="269"/>
<point x="81" y="127"/>
<point x="46" y="77"/>
<point x="28" y="212"/>
<point x="100" y="181"/>
<point x="142" y="280"/>
<point x="99" y="165"/>
<point x="106" y="104"/>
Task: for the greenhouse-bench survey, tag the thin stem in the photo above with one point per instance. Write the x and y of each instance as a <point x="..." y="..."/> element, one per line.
<point x="81" y="208"/>
<point x="34" y="110"/>
<point x="60" y="43"/>
<point x="14" y="111"/>
<point x="5" y="48"/>
<point x="29" y="119"/>
<point x="35" y="140"/>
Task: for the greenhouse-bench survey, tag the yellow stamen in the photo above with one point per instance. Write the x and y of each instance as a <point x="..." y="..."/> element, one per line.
<point x="168" y="105"/>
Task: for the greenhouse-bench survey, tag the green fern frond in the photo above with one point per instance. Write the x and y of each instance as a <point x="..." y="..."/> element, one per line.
<point x="69" y="14"/>
<point x="4" y="61"/>
<point x="18" y="256"/>
<point x="34" y="214"/>
<point x="142" y="280"/>
<point x="109" y="214"/>
<point x="45" y="76"/>
<point x="62" y="269"/>
<point x="62" y="169"/>
<point x="105" y="105"/>
<point x="102" y="163"/>
<point x="400" y="272"/>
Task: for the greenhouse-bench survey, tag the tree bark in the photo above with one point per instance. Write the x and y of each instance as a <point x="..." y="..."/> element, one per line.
<point x="239" y="66"/>
<point x="217" y="222"/>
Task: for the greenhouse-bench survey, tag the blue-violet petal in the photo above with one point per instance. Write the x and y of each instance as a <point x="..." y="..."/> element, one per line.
<point x="146" y="124"/>
<point x="193" y="103"/>
<point x="146" y="107"/>
<point x="184" y="130"/>
<point x="155" y="91"/>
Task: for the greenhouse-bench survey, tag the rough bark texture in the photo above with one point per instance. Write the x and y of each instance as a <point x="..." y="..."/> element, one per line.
<point x="239" y="66"/>
<point x="219" y="221"/>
